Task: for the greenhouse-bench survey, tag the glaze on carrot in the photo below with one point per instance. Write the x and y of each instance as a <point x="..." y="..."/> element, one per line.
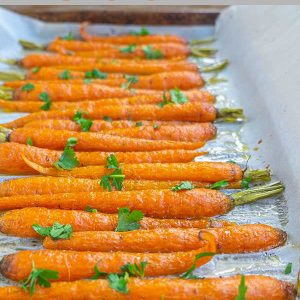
<point x="159" y="81"/>
<point x="259" y="287"/>
<point x="11" y="161"/>
<point x="232" y="239"/>
<point x="19" y="222"/>
<point x="94" y="141"/>
<point x="188" y="112"/>
<point x="194" y="203"/>
<point x="73" y="265"/>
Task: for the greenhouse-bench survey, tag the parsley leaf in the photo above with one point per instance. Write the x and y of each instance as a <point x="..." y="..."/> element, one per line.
<point x="112" y="162"/>
<point x="40" y="276"/>
<point x="177" y="96"/>
<point x="29" y="141"/>
<point x="118" y="282"/>
<point x="35" y="70"/>
<point x="66" y="74"/>
<point x="130" y="80"/>
<point x="95" y="74"/>
<point x="219" y="184"/>
<point x="288" y="269"/>
<point x="143" y="31"/>
<point x="245" y="182"/>
<point x="85" y="124"/>
<point x="165" y="100"/>
<point x="134" y="269"/>
<point x="45" y="98"/>
<point x="27" y="87"/>
<point x="90" y="209"/>
<point x="57" y="231"/>
<point x="128" y="49"/>
<point x="152" y="54"/>
<point x="242" y="289"/>
<point x="98" y="273"/>
<point x="184" y="185"/>
<point x="107" y="119"/>
<point x="68" y="159"/>
<point x="155" y="126"/>
<point x="68" y="37"/>
<point x="139" y="124"/>
<point x="127" y="220"/>
<point x="189" y="273"/>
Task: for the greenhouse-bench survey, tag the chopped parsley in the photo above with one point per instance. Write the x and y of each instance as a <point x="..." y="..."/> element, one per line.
<point x="245" y="182"/>
<point x="184" y="185"/>
<point x="29" y="142"/>
<point x="130" y="80"/>
<point x="107" y="119"/>
<point x="143" y="31"/>
<point x="242" y="289"/>
<point x="45" y="98"/>
<point x="152" y="54"/>
<point x="68" y="37"/>
<point x="66" y="74"/>
<point x="27" y="87"/>
<point x="176" y="97"/>
<point x="128" y="49"/>
<point x="35" y="70"/>
<point x="118" y="282"/>
<point x="95" y="74"/>
<point x="85" y="124"/>
<point x="134" y="269"/>
<point x="219" y="184"/>
<point x="57" y="231"/>
<point x="127" y="220"/>
<point x="90" y="209"/>
<point x="288" y="269"/>
<point x="139" y="124"/>
<point x="98" y="273"/>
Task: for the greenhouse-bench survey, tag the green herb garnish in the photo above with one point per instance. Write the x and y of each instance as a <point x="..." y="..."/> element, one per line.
<point x="68" y="37"/>
<point x="118" y="282"/>
<point x="134" y="269"/>
<point x="189" y="273"/>
<point x="85" y="124"/>
<point x="98" y="273"/>
<point x="288" y="269"/>
<point x="66" y="74"/>
<point x="68" y="159"/>
<point x="27" y="87"/>
<point x="143" y="31"/>
<point x="128" y="49"/>
<point x="45" y="98"/>
<point x="219" y="184"/>
<point x="245" y="182"/>
<point x="177" y="97"/>
<point x="127" y="220"/>
<point x="130" y="80"/>
<point x="90" y="209"/>
<point x="95" y="74"/>
<point x="107" y="119"/>
<point x="29" y="141"/>
<point x="184" y="185"/>
<point x="57" y="231"/>
<point x="139" y="124"/>
<point x="155" y="126"/>
<point x="40" y="277"/>
<point x="242" y="289"/>
<point x="35" y="70"/>
<point x="152" y="54"/>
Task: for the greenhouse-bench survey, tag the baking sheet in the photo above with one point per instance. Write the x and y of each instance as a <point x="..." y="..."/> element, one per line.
<point x="259" y="95"/>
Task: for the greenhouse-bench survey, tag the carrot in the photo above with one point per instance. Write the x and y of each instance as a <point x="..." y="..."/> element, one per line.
<point x="167" y="50"/>
<point x="11" y="161"/>
<point x="159" y="81"/>
<point x="132" y="39"/>
<point x="19" y="222"/>
<point x="126" y="66"/>
<point x="191" y="112"/>
<point x="259" y="287"/>
<point x="193" y="171"/>
<point x="93" y="141"/>
<point x="72" y="265"/>
<point x="234" y="239"/>
<point x="187" y="133"/>
<point x="54" y="185"/>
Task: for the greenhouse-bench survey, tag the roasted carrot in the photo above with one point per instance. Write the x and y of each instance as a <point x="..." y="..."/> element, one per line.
<point x="72" y="265"/>
<point x="126" y="66"/>
<point x="93" y="141"/>
<point x="131" y="39"/>
<point x="187" y="133"/>
<point x="159" y="81"/>
<point x="11" y="161"/>
<point x="194" y="203"/>
<point x="232" y="239"/>
<point x="259" y="287"/>
<point x="193" y="171"/>
<point x="191" y="112"/>
<point x="19" y="222"/>
<point x="167" y="50"/>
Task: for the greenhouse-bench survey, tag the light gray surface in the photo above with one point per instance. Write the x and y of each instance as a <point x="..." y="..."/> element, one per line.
<point x="251" y="85"/>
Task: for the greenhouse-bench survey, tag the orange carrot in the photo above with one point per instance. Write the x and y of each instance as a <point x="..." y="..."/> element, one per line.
<point x="131" y="39"/>
<point x="19" y="222"/>
<point x="191" y="112"/>
<point x="167" y="50"/>
<point x="232" y="239"/>
<point x="193" y="171"/>
<point x="195" y="203"/>
<point x="107" y="65"/>
<point x="94" y="141"/>
<point x="11" y="161"/>
<point x="259" y="287"/>
<point x="72" y="265"/>
<point x="159" y="81"/>
<point x="54" y="185"/>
